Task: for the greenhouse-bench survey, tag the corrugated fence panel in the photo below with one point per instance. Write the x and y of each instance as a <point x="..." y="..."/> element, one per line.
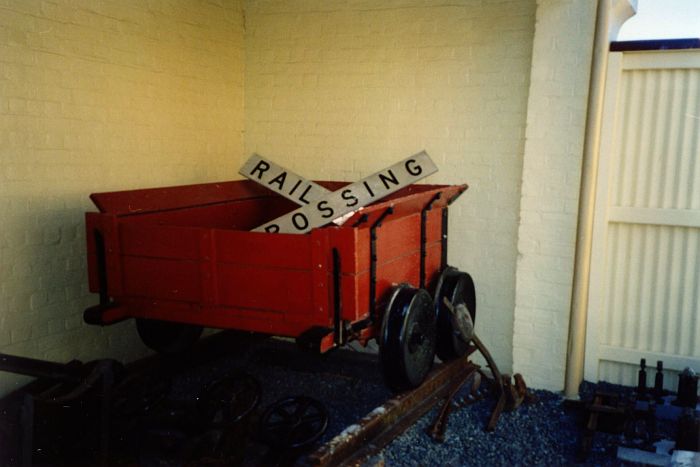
<point x="657" y="160"/>
<point x="645" y="293"/>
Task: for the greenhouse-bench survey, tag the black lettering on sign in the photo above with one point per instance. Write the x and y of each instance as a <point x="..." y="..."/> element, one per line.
<point x="262" y="167"/>
<point x="391" y="178"/>
<point x="369" y="190"/>
<point x="272" y="228"/>
<point x="415" y="170"/>
<point x="301" y="198"/>
<point x="348" y="196"/>
<point x="294" y="188"/>
<point x="279" y="180"/>
<point x="323" y="207"/>
<point x="300" y="221"/>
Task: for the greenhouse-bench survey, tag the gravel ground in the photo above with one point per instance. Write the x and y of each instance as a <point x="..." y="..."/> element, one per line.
<point x="350" y="385"/>
<point x="539" y="433"/>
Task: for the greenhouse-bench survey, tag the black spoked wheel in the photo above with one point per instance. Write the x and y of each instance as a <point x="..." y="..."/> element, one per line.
<point x="229" y="400"/>
<point x="457" y="287"/>
<point x="407" y="338"/>
<point x="167" y="337"/>
<point x="293" y="423"/>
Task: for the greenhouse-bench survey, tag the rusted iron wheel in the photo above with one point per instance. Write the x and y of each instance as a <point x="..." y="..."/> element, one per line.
<point x="407" y="338"/>
<point x="293" y="423"/>
<point x="167" y="337"/>
<point x="457" y="287"/>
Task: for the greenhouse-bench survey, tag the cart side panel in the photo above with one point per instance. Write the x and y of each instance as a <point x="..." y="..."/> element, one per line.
<point x="159" y="278"/>
<point x="283" y="251"/>
<point x="397" y="238"/>
<point x="175" y="197"/>
<point x="275" y="273"/>
<point x="215" y="316"/>
<point x="433" y="258"/>
<point x="399" y="270"/>
<point x="398" y="260"/>
<point x="265" y="289"/>
<point x="160" y="241"/>
<point x="353" y="247"/>
<point x="322" y="277"/>
<point x="355" y="293"/>
<point x="243" y="215"/>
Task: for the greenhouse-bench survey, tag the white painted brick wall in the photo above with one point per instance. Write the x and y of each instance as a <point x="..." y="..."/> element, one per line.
<point x="96" y="96"/>
<point x="116" y="94"/>
<point x="550" y="188"/>
<point x="339" y="89"/>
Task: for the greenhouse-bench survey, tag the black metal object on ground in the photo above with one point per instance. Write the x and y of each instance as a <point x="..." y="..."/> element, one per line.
<point x="74" y="395"/>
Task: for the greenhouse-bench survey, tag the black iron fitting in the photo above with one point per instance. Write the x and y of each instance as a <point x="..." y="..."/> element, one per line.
<point x="363" y="218"/>
<point x="373" y="262"/>
<point x="445" y="222"/>
<point x="454" y="198"/>
<point x="424" y="235"/>
<point x="338" y="329"/>
<point x="101" y="267"/>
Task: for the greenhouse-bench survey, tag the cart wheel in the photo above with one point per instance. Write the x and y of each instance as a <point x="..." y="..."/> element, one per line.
<point x="230" y="400"/>
<point x="457" y="287"/>
<point x="293" y="423"/>
<point x="167" y="337"/>
<point x="407" y="338"/>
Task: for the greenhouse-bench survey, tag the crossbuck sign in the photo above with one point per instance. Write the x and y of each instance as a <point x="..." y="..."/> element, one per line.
<point x="320" y="206"/>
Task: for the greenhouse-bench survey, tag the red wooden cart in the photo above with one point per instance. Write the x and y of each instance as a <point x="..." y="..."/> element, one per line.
<point x="180" y="258"/>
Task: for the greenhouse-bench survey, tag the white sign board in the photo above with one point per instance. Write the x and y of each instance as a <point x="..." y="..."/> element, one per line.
<point x="282" y="181"/>
<point x="321" y="210"/>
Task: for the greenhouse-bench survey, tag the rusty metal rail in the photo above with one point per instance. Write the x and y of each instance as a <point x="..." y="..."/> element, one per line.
<point x="388" y="421"/>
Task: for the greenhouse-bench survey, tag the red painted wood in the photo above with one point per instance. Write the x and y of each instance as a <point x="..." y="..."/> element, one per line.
<point x="263" y="288"/>
<point x="322" y="277"/>
<point x="284" y="251"/>
<point x="161" y="278"/>
<point x="177" y="197"/>
<point x="233" y="214"/>
<point x="184" y="254"/>
<point x="160" y="241"/>
<point x="268" y="322"/>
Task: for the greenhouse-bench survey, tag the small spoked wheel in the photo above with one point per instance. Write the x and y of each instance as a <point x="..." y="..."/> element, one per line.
<point x="407" y="338"/>
<point x="230" y="400"/>
<point x="293" y="423"/>
<point x="458" y="288"/>
<point x="167" y="337"/>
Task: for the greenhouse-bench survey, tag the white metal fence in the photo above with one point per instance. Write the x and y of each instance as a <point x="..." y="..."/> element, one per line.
<point x="644" y="299"/>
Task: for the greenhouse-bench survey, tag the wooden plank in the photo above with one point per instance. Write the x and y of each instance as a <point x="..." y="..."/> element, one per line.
<point x="254" y="249"/>
<point x="160" y="241"/>
<point x="272" y="289"/>
<point x="147" y="200"/>
<point x="162" y="278"/>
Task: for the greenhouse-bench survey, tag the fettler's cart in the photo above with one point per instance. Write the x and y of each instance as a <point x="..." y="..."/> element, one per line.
<point x="181" y="258"/>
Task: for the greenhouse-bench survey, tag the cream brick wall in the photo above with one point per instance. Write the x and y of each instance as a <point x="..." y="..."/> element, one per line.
<point x="95" y="96"/>
<point x="339" y="89"/>
<point x="561" y="62"/>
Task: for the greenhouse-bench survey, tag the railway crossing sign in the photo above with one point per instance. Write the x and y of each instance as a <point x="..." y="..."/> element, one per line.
<point x="282" y="181"/>
<point x="320" y="206"/>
